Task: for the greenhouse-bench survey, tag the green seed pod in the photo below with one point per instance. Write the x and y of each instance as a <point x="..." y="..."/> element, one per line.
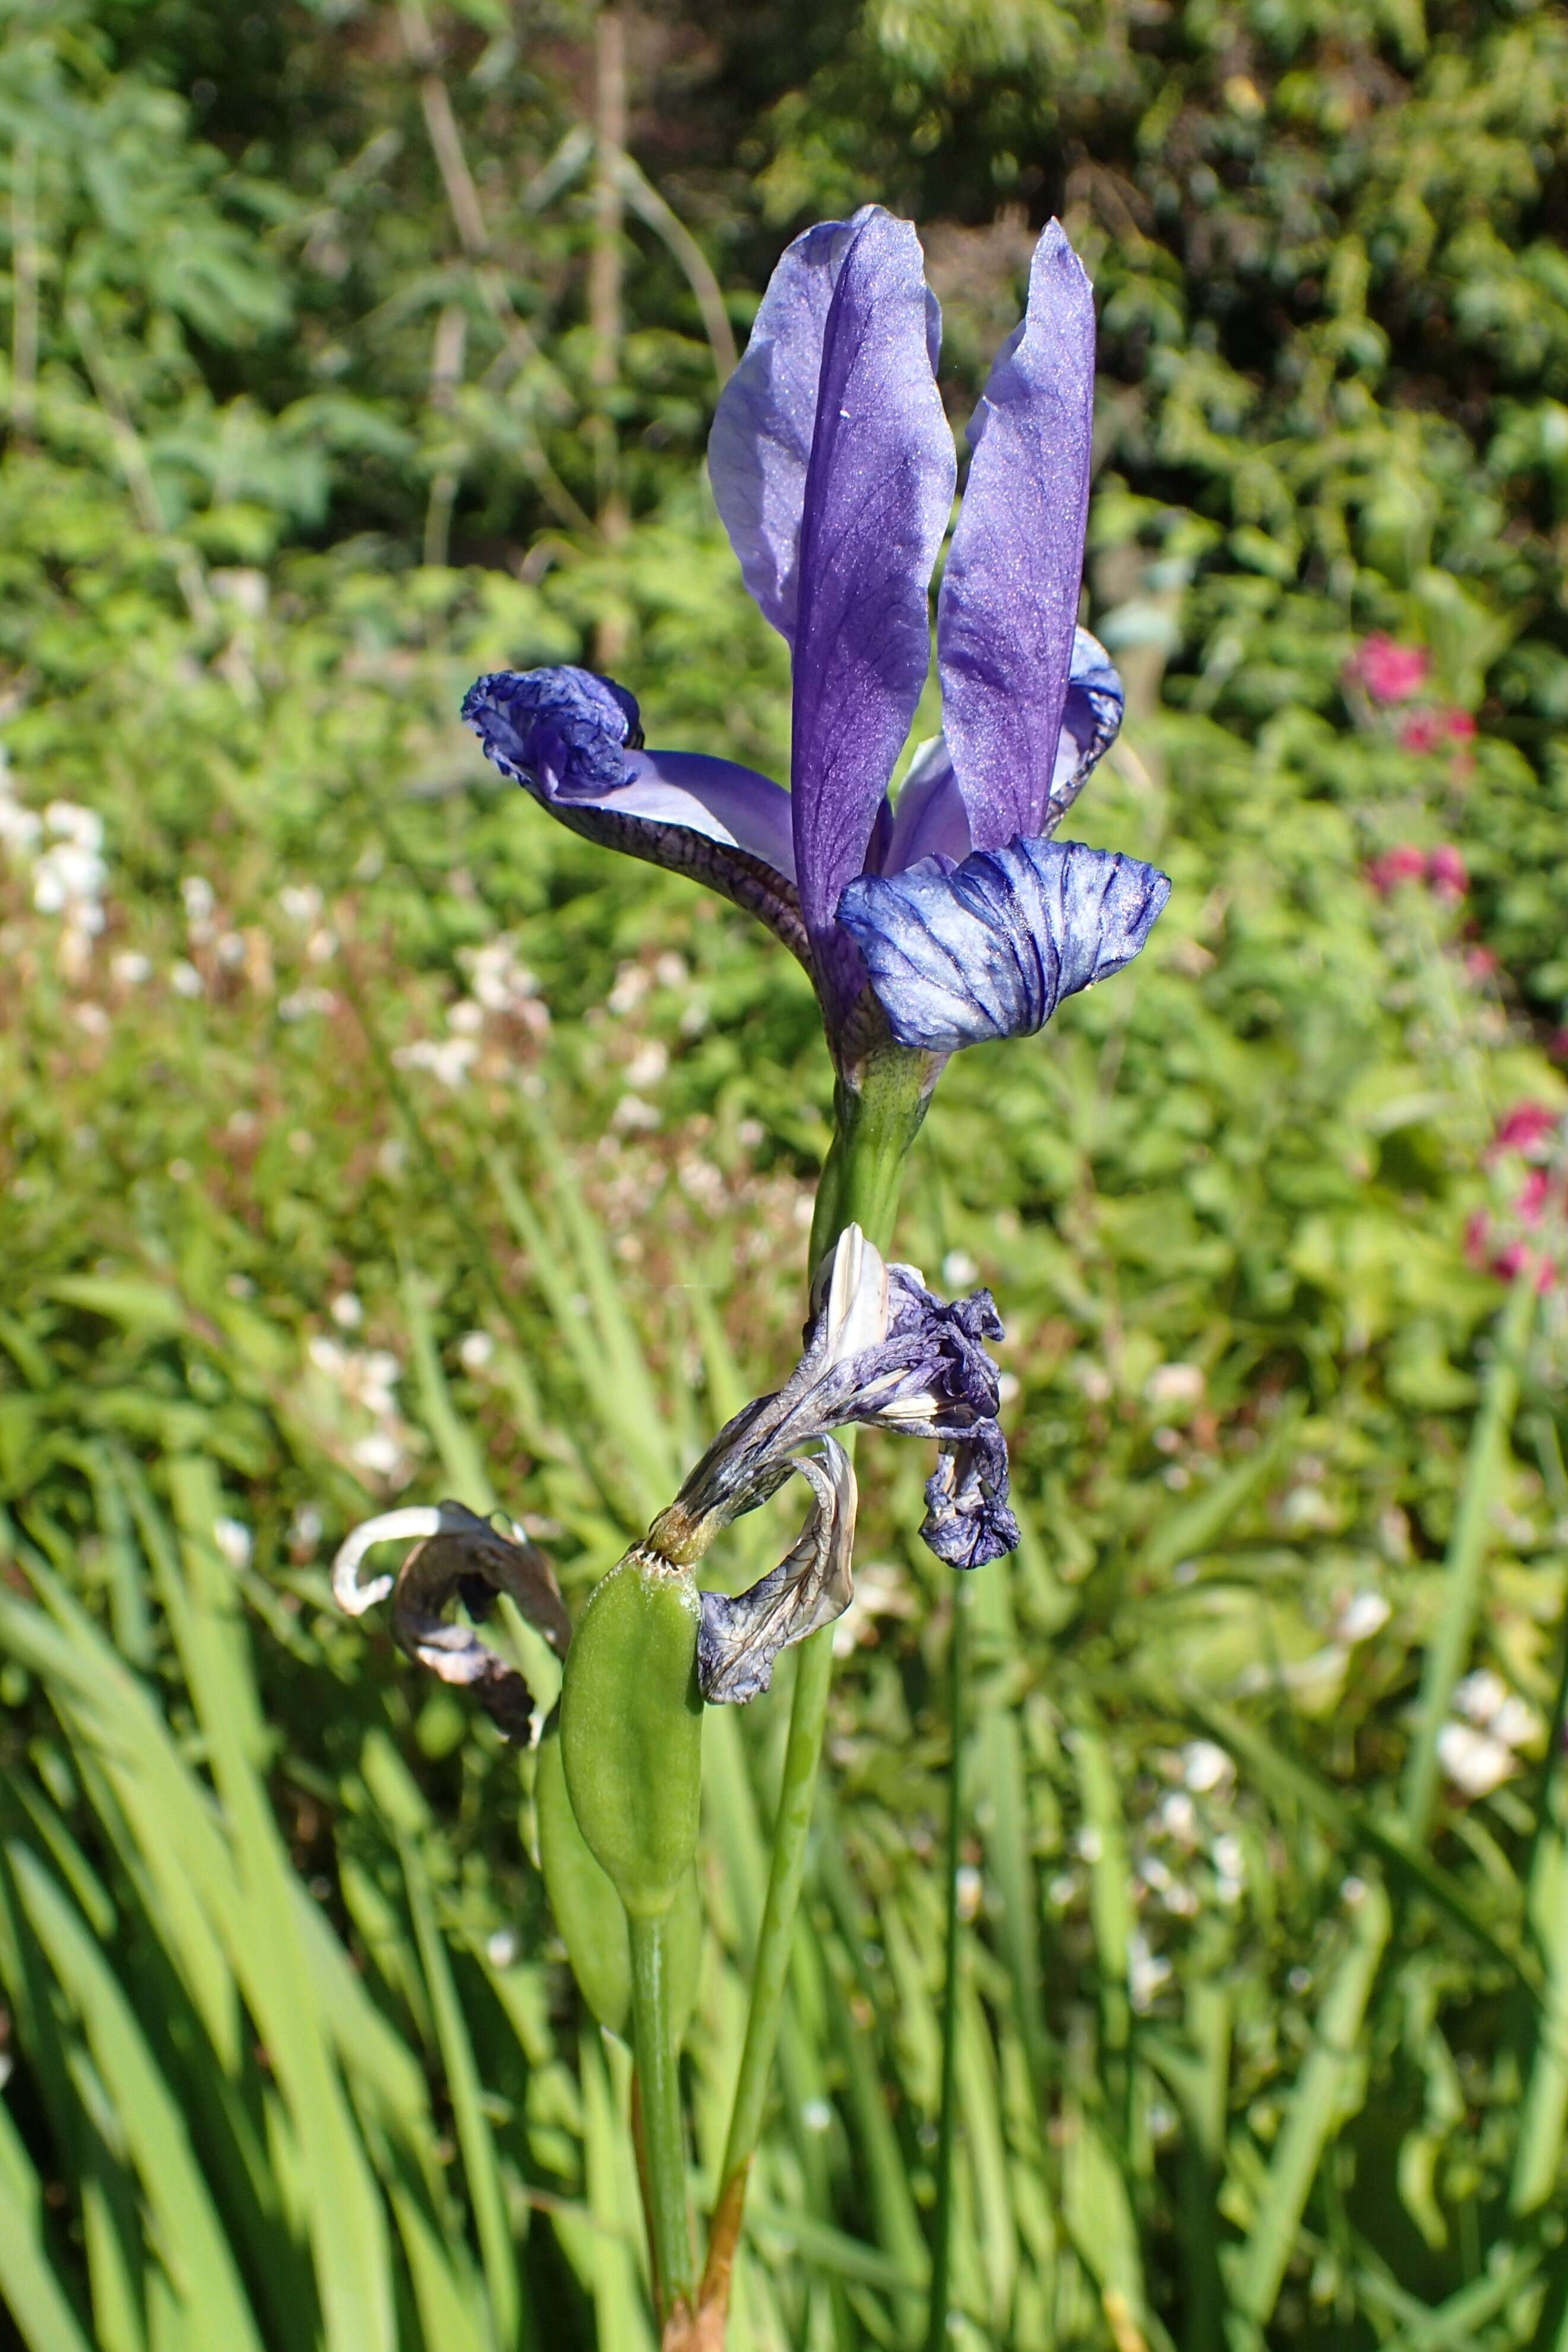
<point x="631" y="1729"/>
<point x="590" y="1916"/>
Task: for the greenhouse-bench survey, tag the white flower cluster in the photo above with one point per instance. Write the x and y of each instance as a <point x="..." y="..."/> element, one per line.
<point x="504" y="990"/>
<point x="500" y="983"/>
<point x="63" y="850"/>
<point x="365" y="1380"/>
<point x="1480" y="1746"/>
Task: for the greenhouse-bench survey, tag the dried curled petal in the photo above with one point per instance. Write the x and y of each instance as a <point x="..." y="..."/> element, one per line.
<point x="458" y="1556"/>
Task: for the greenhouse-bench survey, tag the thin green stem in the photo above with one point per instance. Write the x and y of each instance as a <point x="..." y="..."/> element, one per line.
<point x="874" y="1125"/>
<point x="1466" y="1551"/>
<point x="947" y="2140"/>
<point x="808" y="1715"/>
<point x="658" y="2079"/>
<point x="877" y="1121"/>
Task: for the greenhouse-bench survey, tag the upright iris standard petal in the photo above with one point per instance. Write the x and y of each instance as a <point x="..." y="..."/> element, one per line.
<point x="760" y="444"/>
<point x="878" y="492"/>
<point x="1009" y="595"/>
<point x="573" y="740"/>
<point x="991" y="947"/>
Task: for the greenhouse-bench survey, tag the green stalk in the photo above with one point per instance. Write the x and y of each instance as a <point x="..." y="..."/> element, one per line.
<point x="958" y="1709"/>
<point x="875" y="1124"/>
<point x="659" y="2081"/>
<point x="1466" y="1551"/>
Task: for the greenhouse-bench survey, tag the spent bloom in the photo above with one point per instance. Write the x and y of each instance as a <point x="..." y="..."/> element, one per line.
<point x="879" y="1351"/>
<point x="950" y="915"/>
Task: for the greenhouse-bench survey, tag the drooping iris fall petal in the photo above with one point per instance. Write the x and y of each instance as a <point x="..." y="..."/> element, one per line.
<point x="573" y="740"/>
<point x="991" y="947"/>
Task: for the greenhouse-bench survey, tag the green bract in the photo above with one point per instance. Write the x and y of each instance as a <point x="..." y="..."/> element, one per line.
<point x="631" y="1729"/>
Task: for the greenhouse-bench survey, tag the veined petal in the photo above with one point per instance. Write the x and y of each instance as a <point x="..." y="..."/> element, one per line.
<point x="1091" y="721"/>
<point x="991" y="947"/>
<point x="879" y="489"/>
<point x="1009" y="594"/>
<point x="929" y="819"/>
<point x="573" y="740"/>
<point x="759" y="443"/>
<point x="716" y="798"/>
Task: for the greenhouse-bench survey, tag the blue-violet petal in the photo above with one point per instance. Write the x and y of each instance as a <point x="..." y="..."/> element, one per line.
<point x="991" y="947"/>
<point x="1091" y="721"/>
<point x="1010" y="592"/>
<point x="879" y="490"/>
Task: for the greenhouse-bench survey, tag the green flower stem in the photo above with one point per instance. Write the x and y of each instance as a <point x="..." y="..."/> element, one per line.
<point x="659" y="2081"/>
<point x="877" y="1121"/>
<point x="808" y="1717"/>
<point x="958" y="1709"/>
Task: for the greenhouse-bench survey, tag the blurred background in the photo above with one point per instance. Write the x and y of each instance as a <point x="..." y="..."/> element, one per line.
<point x="365" y="1136"/>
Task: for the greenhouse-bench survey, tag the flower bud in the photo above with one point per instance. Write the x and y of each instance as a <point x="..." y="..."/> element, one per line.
<point x="631" y="1729"/>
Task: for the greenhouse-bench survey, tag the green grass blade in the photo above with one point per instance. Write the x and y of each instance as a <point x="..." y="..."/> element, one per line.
<point x="30" y="2289"/>
<point x="1320" y="2105"/>
<point x="512" y="2320"/>
<point x="191" y="2239"/>
<point x="1467" y="1544"/>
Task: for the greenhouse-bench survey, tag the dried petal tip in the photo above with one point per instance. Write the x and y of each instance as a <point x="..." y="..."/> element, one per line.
<point x="738" y="1640"/>
<point x="458" y="1556"/>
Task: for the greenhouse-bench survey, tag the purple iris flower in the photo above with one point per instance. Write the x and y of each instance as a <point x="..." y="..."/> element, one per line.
<point x="949" y="915"/>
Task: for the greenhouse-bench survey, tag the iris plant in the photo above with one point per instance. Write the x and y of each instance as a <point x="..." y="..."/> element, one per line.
<point x="931" y="919"/>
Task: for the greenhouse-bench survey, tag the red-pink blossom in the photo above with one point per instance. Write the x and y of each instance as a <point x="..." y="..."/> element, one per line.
<point x="1529" y="1128"/>
<point x="1392" y="866"/>
<point x="1525" y="1128"/>
<point x="1482" y="963"/>
<point x="1430" y="731"/>
<point x="1389" y="671"/>
<point x="1445" y="873"/>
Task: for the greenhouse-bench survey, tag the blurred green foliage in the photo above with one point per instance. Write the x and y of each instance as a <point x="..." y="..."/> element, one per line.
<point x="364" y="1135"/>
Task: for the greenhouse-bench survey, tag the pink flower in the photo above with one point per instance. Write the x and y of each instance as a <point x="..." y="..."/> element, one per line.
<point x="1430" y="731"/>
<point x="1389" y="672"/>
<point x="1393" y="867"/>
<point x="1445" y="873"/>
<point x="1422" y="731"/>
<point x="1525" y="1128"/>
<point x="1528" y="1129"/>
<point x="1482" y="963"/>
